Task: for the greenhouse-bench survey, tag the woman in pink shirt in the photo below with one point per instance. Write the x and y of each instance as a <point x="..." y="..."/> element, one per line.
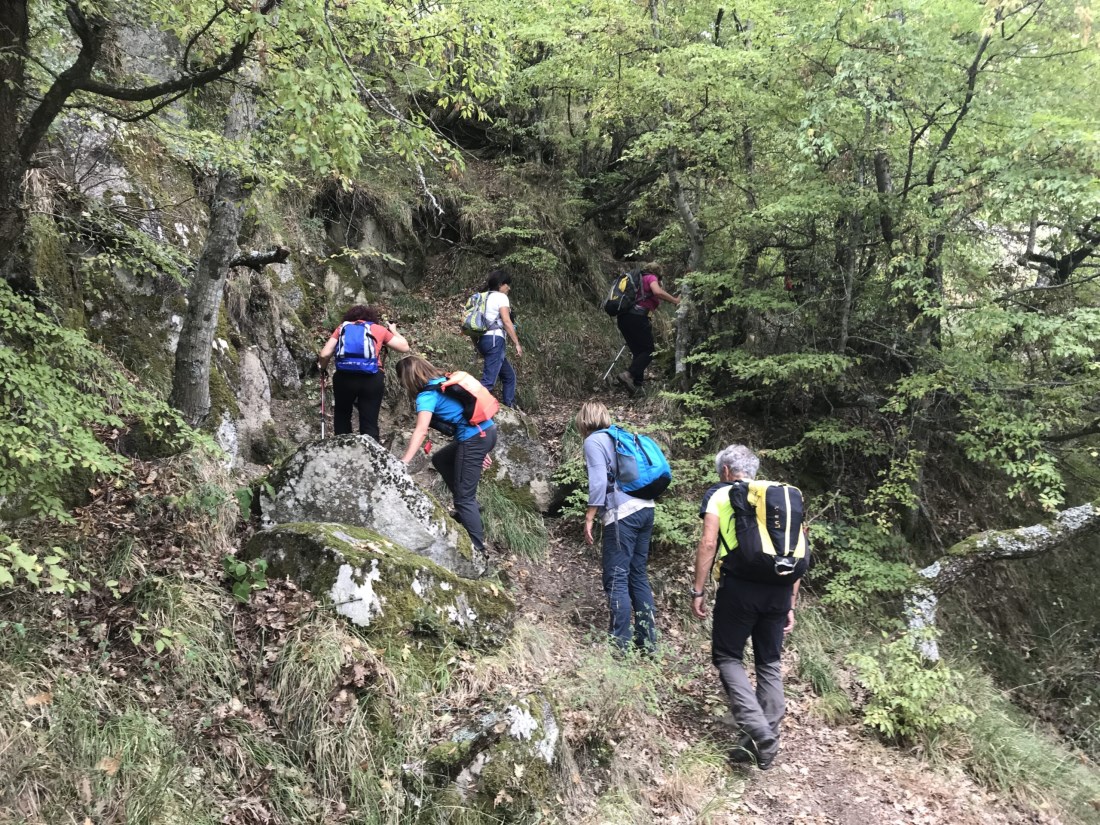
<point x="637" y="329"/>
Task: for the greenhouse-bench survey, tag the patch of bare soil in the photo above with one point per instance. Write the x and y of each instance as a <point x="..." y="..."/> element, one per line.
<point x="836" y="776"/>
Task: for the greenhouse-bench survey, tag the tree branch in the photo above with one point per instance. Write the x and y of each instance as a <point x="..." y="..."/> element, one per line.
<point x="976" y="551"/>
<point x="1089" y="429"/>
<point x="258" y="260"/>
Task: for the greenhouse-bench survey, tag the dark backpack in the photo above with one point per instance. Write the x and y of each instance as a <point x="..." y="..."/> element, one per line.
<point x="626" y="290"/>
<point x="763" y="540"/>
<point x="356" y="349"/>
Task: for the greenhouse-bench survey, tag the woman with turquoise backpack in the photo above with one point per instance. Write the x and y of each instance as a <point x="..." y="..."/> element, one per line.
<point x="626" y="472"/>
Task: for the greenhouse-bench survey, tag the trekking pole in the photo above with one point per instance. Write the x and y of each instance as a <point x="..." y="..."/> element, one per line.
<point x="323" y="374"/>
<point x="613" y="363"/>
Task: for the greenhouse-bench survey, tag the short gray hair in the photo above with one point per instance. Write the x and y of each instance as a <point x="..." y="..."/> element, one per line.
<point x="739" y="459"/>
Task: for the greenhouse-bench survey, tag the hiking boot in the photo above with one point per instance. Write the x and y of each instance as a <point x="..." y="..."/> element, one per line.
<point x="744" y="754"/>
<point x="627" y="380"/>
<point x="766" y="754"/>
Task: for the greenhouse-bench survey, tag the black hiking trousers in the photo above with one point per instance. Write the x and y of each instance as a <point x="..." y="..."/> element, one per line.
<point x="637" y="330"/>
<point x="460" y="464"/>
<point x="357" y="389"/>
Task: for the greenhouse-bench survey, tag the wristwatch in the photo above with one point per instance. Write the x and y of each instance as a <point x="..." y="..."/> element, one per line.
<point x="697" y="594"/>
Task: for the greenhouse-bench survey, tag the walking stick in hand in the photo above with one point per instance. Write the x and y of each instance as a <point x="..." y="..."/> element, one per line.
<point x="323" y="417"/>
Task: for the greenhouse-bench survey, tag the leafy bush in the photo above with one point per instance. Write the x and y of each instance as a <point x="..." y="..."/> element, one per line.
<point x="858" y="562"/>
<point x="909" y="699"/>
<point x="57" y="389"/>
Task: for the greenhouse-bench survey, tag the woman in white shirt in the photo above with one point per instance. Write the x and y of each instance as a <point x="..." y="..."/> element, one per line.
<point x="492" y="345"/>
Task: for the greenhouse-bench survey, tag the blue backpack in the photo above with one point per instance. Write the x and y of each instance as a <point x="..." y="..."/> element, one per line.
<point x="356" y="349"/>
<point x="642" y="470"/>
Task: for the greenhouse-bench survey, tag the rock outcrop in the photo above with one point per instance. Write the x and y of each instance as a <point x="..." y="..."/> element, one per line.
<point x="521" y="464"/>
<point x="351" y="479"/>
<point x="504" y="762"/>
<point x="382" y="587"/>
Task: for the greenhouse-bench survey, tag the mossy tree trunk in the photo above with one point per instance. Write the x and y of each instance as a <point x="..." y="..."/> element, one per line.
<point x="964" y="558"/>
<point x="191" y="377"/>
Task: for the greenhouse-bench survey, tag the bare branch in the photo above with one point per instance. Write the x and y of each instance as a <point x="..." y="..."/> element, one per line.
<point x="258" y="260"/>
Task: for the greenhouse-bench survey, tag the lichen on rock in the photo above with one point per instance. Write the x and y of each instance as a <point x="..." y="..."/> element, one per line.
<point x="504" y="760"/>
<point x="521" y="464"/>
<point x="382" y="587"/>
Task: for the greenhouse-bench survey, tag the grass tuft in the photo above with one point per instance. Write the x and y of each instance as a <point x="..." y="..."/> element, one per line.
<point x="509" y="526"/>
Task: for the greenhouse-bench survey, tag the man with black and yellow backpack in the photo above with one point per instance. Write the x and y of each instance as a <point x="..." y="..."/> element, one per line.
<point x="755" y="530"/>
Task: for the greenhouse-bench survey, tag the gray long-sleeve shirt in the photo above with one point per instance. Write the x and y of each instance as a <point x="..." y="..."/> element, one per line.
<point x="599" y="456"/>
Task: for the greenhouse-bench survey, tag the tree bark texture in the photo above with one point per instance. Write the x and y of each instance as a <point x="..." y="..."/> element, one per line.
<point x="191" y="377"/>
<point x="14" y="34"/>
<point x="694" y="263"/>
<point x="964" y="558"/>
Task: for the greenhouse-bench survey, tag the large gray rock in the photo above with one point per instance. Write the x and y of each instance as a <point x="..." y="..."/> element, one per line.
<point x="351" y="479"/>
<point x="521" y="464"/>
<point x="382" y="587"/>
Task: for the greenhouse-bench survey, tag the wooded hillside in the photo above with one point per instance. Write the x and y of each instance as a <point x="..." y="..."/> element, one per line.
<point x="883" y="221"/>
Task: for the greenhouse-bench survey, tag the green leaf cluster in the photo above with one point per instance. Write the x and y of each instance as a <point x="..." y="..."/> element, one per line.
<point x="61" y="396"/>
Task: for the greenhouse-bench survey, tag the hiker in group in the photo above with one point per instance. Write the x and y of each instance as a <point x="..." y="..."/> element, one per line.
<point x="360" y="369"/>
<point x="757" y="592"/>
<point x="492" y="345"/>
<point x="461" y="462"/>
<point x="637" y="328"/>
<point x="627" y="528"/>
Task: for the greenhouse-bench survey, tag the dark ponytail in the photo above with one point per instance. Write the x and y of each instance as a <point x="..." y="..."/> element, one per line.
<point x="497" y="279"/>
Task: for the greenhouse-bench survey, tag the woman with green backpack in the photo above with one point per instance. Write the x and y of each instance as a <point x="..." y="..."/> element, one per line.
<point x="493" y="343"/>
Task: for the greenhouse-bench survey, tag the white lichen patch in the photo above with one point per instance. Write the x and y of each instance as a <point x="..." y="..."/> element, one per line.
<point x="523" y="723"/>
<point x="1078" y="518"/>
<point x="548" y="745"/>
<point x="353" y="593"/>
<point x="931" y="571"/>
<point x="524" y="727"/>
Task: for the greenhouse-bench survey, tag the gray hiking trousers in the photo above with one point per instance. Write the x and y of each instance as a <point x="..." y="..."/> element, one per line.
<point x="744" y="610"/>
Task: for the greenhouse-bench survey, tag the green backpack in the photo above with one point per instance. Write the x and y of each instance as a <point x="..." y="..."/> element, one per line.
<point x="474" y="321"/>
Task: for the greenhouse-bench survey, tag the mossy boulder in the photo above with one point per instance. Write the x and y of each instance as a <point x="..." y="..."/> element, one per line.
<point x="352" y="479"/>
<point x="503" y="762"/>
<point x="521" y="465"/>
<point x="384" y="587"/>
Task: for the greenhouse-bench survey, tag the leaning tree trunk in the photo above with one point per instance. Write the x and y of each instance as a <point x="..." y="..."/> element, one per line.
<point x="965" y="557"/>
<point x="191" y="378"/>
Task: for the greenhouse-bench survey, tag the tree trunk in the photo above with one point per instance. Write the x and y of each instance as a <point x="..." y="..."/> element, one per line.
<point x="14" y="34"/>
<point x="971" y="553"/>
<point x="694" y="264"/>
<point x="191" y="378"/>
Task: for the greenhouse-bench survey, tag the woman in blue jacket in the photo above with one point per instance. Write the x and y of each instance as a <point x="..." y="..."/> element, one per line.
<point x="460" y="462"/>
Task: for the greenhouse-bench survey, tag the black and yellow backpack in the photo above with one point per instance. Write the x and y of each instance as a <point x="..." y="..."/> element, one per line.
<point x="761" y="536"/>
